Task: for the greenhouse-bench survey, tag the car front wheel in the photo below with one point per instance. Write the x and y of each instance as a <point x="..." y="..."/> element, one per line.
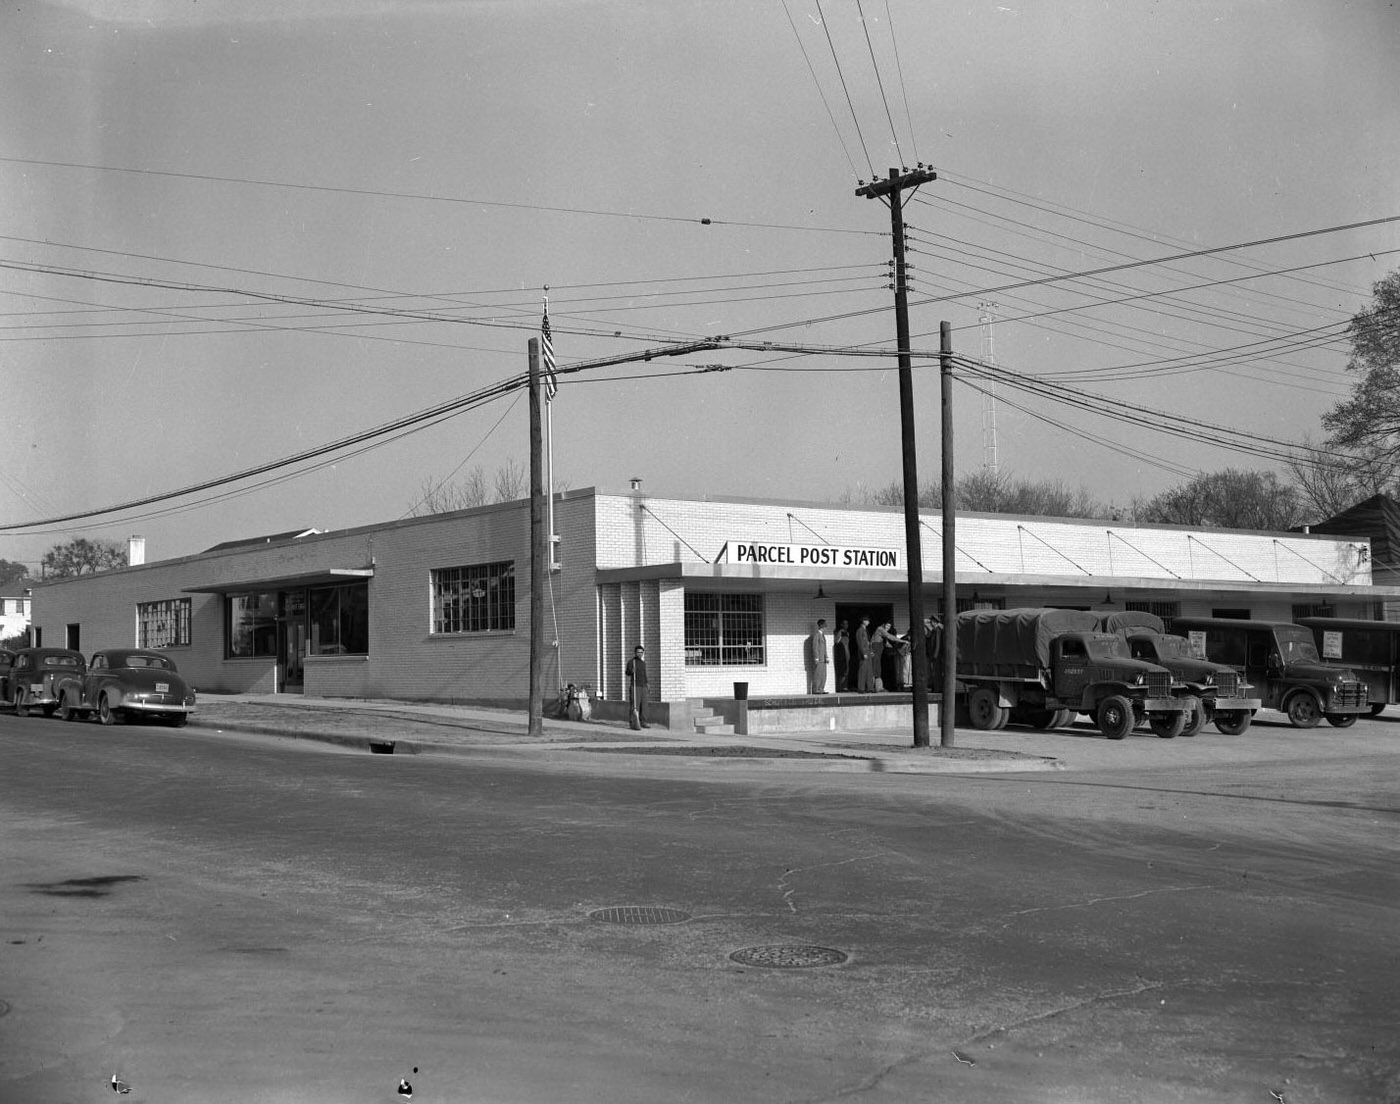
<point x="1341" y="720"/>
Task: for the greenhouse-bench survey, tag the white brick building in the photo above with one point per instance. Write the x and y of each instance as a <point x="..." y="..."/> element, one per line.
<point x="718" y="590"/>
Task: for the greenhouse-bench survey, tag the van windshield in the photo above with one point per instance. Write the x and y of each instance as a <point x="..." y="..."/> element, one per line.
<point x="1296" y="645"/>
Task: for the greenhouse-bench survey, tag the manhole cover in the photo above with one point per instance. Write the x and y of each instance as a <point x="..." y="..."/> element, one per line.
<point x="639" y="914"/>
<point x="788" y="956"/>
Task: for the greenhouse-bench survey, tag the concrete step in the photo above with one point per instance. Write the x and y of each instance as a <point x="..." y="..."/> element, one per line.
<point x="712" y="725"/>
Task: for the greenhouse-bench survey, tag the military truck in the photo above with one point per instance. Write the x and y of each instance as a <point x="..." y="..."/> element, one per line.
<point x="1225" y="697"/>
<point x="1042" y="666"/>
<point x="1280" y="659"/>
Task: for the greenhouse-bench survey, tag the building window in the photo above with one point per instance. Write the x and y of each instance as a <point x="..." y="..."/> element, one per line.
<point x="1313" y="610"/>
<point x="163" y="624"/>
<point x="977" y="603"/>
<point x="252" y="624"/>
<point x="480" y="598"/>
<point x="1167" y="611"/>
<point x="339" y="620"/>
<point x="723" y="630"/>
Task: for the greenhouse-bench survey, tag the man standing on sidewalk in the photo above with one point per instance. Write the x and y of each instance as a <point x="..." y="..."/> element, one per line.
<point x="637" y="688"/>
<point x="816" y="684"/>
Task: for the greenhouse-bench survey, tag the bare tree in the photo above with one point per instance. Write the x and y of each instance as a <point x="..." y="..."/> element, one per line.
<point x="1328" y="487"/>
<point x="510" y="482"/>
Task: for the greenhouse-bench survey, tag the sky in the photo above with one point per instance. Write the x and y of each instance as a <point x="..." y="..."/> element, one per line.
<point x="233" y="231"/>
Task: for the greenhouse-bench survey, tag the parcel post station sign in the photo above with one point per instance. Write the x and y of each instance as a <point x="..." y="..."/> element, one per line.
<point x="809" y="555"/>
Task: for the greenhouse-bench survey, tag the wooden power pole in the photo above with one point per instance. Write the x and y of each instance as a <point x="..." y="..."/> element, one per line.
<point x="893" y="188"/>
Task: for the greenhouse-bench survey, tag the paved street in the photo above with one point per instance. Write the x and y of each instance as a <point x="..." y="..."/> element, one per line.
<point x="218" y="917"/>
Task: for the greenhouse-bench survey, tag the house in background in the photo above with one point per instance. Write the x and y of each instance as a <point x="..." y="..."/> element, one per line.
<point x="14" y="611"/>
<point x="1377" y="520"/>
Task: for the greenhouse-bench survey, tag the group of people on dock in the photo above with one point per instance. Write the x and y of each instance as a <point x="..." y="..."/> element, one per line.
<point x="868" y="661"/>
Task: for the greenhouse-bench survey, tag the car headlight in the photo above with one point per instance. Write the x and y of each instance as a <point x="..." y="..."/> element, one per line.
<point x="1141" y="680"/>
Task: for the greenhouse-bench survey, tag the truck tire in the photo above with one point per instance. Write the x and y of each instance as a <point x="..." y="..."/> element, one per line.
<point x="1232" y="722"/>
<point x="1195" y="720"/>
<point x="1377" y="708"/>
<point x="1303" y="711"/>
<point x="1167" y="725"/>
<point x="1063" y="718"/>
<point x="984" y="711"/>
<point x="1115" y="716"/>
<point x="1040" y="719"/>
<point x="1341" y="720"/>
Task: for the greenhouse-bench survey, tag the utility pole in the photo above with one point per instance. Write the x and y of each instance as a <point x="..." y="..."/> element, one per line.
<point x="893" y="188"/>
<point x="949" y="656"/>
<point x="539" y="549"/>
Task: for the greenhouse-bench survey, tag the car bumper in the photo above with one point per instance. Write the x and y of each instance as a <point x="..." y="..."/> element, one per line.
<point x="1168" y="705"/>
<point x="156" y="707"/>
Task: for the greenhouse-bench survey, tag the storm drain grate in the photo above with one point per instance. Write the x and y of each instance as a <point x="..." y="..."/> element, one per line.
<point x="788" y="956"/>
<point x="639" y="914"/>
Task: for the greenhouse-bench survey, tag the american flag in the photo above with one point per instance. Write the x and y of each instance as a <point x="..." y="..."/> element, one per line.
<point x="551" y="373"/>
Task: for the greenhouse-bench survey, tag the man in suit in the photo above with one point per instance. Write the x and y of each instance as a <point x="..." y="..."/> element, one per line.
<point x="816" y="682"/>
<point x="637" y="687"/>
<point x="865" y="680"/>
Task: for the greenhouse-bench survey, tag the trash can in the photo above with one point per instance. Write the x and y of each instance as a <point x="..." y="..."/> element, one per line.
<point x="741" y="691"/>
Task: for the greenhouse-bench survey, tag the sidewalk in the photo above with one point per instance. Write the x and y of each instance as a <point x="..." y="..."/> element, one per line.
<point x="405" y="728"/>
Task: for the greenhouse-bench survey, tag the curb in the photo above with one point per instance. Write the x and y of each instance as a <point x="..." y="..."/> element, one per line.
<point x="828" y="760"/>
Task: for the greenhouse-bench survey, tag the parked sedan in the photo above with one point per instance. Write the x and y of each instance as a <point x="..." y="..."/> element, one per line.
<point x="37" y="675"/>
<point x="124" y="683"/>
<point x="7" y="660"/>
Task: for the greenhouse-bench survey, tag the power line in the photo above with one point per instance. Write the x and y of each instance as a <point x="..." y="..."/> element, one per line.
<point x="875" y="65"/>
<point x="429" y="197"/>
<point x="1100" y="271"/>
<point x="826" y="29"/>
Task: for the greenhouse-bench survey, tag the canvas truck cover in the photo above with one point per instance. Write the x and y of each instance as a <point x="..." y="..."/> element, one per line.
<point x="1125" y="621"/>
<point x="1014" y="643"/>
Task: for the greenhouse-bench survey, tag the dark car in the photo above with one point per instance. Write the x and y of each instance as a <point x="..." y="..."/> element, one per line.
<point x="125" y="683"/>
<point x="36" y="676"/>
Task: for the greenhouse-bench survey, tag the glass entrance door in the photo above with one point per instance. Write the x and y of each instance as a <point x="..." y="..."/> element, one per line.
<point x="291" y="641"/>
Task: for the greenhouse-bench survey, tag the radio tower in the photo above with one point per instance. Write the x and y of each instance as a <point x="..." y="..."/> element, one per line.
<point x="989" y="396"/>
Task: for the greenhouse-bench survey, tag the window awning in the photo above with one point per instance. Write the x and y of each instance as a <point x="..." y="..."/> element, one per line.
<point x="325" y="577"/>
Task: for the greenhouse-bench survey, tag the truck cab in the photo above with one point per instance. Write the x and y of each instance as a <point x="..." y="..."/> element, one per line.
<point x="1280" y="659"/>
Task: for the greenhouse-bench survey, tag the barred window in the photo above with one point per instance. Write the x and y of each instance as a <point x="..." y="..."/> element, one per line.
<point x="1313" y="610"/>
<point x="163" y="624"/>
<point x="1167" y="611"/>
<point x="479" y="598"/>
<point x="723" y="629"/>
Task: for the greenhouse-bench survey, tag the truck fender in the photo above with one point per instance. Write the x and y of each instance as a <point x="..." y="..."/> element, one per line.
<point x="1292" y="695"/>
<point x="1096" y="692"/>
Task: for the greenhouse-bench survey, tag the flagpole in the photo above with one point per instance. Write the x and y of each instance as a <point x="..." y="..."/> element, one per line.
<point x="549" y="467"/>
